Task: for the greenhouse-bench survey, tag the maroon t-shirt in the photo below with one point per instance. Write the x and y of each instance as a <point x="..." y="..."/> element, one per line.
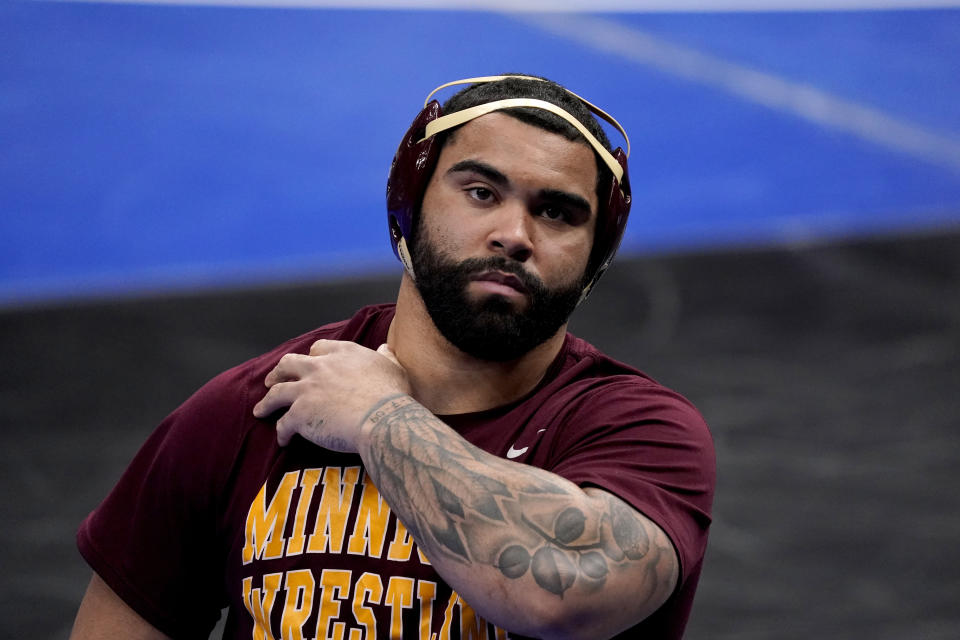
<point x="297" y="541"/>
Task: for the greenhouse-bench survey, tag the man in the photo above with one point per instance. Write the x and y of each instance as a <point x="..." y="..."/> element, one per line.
<point x="455" y="465"/>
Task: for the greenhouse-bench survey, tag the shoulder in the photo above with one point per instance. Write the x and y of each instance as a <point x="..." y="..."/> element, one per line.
<point x="625" y="432"/>
<point x="600" y="382"/>
<point x="367" y="326"/>
<point x="593" y="405"/>
<point x="220" y="412"/>
<point x="606" y="409"/>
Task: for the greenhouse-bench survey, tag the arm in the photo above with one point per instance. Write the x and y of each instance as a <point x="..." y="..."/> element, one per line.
<point x="529" y="550"/>
<point x="104" y="616"/>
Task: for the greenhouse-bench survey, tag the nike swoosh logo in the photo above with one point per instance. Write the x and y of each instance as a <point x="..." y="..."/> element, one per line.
<point x="513" y="453"/>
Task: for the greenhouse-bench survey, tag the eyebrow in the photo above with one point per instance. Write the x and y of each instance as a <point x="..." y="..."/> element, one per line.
<point x="475" y="166"/>
<point x="567" y="199"/>
<point x="499" y="178"/>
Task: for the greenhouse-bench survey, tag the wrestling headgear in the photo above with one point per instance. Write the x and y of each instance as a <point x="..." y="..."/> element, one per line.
<point x="419" y="151"/>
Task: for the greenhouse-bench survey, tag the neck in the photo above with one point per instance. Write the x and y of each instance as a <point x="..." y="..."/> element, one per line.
<point x="448" y="381"/>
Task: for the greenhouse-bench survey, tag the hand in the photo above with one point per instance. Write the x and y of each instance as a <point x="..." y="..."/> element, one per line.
<point x="329" y="392"/>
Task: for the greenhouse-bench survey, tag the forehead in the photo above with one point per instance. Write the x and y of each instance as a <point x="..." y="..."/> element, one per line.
<point x="524" y="153"/>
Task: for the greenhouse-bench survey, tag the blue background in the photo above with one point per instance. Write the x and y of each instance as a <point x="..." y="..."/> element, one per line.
<point x="169" y="147"/>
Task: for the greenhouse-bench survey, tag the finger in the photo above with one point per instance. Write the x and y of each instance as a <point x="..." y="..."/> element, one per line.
<point x="279" y="396"/>
<point x="292" y="366"/>
<point x="297" y="421"/>
<point x="322" y="347"/>
<point x="388" y="353"/>
<point x="286" y="429"/>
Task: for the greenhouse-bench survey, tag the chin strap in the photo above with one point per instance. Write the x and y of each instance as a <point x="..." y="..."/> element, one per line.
<point x="405" y="259"/>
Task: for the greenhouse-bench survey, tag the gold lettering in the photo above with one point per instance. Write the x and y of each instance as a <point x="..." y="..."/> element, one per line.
<point x="265" y="525"/>
<point x="448" y="616"/>
<point x="369" y="589"/>
<point x="370" y="528"/>
<point x="402" y="544"/>
<point x="298" y="538"/>
<point x="472" y="626"/>
<point x="399" y="597"/>
<point x="334" y="586"/>
<point x="426" y="593"/>
<point x="299" y="585"/>
<point x="261" y="606"/>
<point x="331" y="525"/>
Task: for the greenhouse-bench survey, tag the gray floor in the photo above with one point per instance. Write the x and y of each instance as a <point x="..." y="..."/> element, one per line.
<point x="829" y="376"/>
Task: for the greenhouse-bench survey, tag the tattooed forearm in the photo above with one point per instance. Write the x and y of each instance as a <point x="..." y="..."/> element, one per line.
<point x="461" y="502"/>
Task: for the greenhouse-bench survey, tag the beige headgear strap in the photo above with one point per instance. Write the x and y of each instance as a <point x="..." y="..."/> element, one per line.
<point x="405" y="258"/>
<point x="460" y="117"/>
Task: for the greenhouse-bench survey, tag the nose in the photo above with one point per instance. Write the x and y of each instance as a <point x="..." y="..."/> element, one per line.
<point x="511" y="233"/>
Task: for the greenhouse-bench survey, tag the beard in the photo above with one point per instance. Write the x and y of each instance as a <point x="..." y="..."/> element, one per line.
<point x="490" y="328"/>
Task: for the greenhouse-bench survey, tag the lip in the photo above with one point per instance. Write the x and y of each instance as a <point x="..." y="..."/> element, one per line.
<point x="499" y="277"/>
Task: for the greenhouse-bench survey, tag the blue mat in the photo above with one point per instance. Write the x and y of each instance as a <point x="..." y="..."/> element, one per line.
<point x="168" y="147"/>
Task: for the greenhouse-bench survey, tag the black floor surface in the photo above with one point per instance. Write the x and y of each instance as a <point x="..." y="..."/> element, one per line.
<point x="830" y="377"/>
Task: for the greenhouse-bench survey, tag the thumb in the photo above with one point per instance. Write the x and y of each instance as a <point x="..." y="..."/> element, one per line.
<point x="388" y="353"/>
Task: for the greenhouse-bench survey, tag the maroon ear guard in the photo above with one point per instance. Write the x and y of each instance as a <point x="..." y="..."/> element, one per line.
<point x="614" y="209"/>
<point x="413" y="165"/>
<point x="410" y="172"/>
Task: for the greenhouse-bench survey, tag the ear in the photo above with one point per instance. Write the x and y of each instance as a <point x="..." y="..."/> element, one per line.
<point x="410" y="172"/>
<point x="615" y="203"/>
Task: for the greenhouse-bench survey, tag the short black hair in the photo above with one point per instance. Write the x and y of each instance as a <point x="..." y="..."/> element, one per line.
<point x="538" y="88"/>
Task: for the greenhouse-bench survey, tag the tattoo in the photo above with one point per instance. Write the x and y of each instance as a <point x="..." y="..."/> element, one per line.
<point x="447" y="493"/>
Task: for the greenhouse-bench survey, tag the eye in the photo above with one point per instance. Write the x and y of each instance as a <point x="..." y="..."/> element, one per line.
<point x="480" y="193"/>
<point x="554" y="213"/>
